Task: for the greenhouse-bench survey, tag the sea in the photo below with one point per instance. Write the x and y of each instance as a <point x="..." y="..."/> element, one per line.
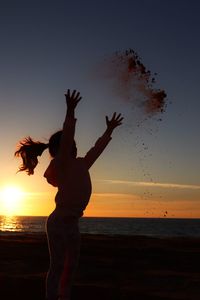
<point x="154" y="227"/>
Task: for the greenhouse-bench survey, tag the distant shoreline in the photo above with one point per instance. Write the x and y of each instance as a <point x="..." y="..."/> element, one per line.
<point x="154" y="227"/>
<point x="107" y="217"/>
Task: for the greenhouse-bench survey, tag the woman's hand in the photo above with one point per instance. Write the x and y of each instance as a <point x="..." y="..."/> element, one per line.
<point x="114" y="122"/>
<point x="72" y="99"/>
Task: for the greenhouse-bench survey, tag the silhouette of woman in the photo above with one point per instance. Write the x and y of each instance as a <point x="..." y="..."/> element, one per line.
<point x="70" y="174"/>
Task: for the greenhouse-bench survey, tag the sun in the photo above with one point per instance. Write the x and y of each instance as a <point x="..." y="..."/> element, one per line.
<point x="11" y="198"/>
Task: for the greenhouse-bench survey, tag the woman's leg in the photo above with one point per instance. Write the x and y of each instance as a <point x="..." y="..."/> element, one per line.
<point x="57" y="257"/>
<point x="72" y="252"/>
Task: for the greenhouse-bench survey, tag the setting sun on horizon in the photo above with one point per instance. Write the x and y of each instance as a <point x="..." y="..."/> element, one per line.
<point x="11" y="200"/>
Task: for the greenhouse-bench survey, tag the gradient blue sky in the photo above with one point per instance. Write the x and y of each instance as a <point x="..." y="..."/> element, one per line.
<point x="49" y="46"/>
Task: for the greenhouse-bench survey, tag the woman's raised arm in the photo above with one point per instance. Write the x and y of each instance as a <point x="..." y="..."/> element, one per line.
<point x="103" y="141"/>
<point x="67" y="139"/>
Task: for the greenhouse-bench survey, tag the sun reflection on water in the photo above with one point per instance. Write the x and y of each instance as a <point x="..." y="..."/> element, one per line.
<point x="10" y="223"/>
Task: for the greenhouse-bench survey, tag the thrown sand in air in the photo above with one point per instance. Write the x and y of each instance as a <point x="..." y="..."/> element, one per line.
<point x="133" y="82"/>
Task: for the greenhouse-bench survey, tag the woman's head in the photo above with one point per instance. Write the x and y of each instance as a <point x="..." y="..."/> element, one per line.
<point x="29" y="150"/>
<point x="54" y="144"/>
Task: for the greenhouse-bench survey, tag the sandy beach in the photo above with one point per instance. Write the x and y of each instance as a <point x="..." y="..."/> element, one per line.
<point x="111" y="267"/>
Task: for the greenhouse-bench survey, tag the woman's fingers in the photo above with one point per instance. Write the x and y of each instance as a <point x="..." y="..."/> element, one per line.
<point x="115" y="118"/>
<point x="73" y="96"/>
<point x="77" y="95"/>
<point x="120" y="120"/>
<point x="118" y="117"/>
<point x="73" y="93"/>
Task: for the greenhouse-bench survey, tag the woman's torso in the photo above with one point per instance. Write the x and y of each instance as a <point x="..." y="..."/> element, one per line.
<point x="74" y="186"/>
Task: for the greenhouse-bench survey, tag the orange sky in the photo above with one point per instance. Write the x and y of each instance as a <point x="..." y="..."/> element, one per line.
<point x="110" y="199"/>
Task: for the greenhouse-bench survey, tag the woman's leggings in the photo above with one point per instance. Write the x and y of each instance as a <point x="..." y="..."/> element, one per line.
<point x="64" y="247"/>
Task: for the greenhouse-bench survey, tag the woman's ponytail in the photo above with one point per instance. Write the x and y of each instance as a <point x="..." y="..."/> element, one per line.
<point x="29" y="150"/>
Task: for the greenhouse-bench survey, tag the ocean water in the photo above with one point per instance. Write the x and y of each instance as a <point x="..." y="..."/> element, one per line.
<point x="109" y="226"/>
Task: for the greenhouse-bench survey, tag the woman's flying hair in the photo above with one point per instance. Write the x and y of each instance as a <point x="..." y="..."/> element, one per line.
<point x="29" y="150"/>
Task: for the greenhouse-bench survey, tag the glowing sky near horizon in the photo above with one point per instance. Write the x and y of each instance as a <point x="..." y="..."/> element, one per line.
<point x="48" y="47"/>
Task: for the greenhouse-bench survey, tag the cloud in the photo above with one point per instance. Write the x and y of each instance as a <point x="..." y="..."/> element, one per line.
<point x="154" y="184"/>
<point x="113" y="195"/>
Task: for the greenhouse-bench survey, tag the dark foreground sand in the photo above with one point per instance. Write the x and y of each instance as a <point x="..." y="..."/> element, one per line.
<point x="110" y="268"/>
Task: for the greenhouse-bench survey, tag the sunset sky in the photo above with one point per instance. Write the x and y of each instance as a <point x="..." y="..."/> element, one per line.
<point x="50" y="46"/>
